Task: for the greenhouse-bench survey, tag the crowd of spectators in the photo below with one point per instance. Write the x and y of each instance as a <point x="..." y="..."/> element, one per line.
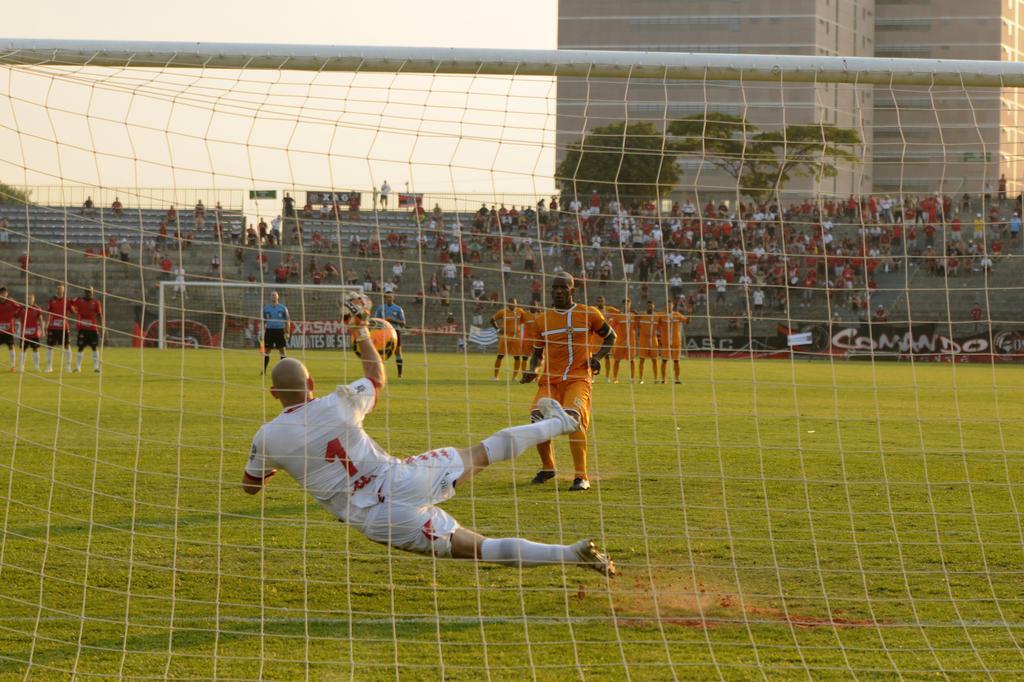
<point x="743" y="258"/>
<point x="732" y="258"/>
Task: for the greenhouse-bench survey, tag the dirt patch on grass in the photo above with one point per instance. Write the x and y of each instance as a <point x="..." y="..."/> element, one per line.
<point x="675" y="599"/>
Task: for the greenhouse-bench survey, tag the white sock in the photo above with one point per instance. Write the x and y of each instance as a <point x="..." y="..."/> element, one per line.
<point x="515" y="440"/>
<point x="49" y="359"/>
<point x="520" y="552"/>
<point x="67" y="351"/>
<point x="13" y="356"/>
<point x="78" y="363"/>
<point x="95" y="359"/>
<point x="35" y="359"/>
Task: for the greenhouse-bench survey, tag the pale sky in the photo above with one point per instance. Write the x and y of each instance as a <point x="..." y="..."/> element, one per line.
<point x="446" y="23"/>
<point x="125" y="128"/>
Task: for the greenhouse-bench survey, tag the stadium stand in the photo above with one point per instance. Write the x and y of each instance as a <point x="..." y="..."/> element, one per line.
<point x="927" y="260"/>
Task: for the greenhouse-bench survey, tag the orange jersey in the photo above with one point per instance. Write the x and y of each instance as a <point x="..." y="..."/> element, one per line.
<point x="607" y="311"/>
<point x="646" y="331"/>
<point x="624" y="326"/>
<point x="670" y="328"/>
<point x="565" y="338"/>
<point x="509" y="322"/>
<point x="525" y="334"/>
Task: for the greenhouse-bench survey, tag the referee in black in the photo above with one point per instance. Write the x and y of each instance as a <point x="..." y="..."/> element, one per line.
<point x="276" y="324"/>
<point x="393" y="313"/>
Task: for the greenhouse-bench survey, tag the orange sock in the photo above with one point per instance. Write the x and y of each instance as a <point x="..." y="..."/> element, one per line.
<point x="578" y="447"/>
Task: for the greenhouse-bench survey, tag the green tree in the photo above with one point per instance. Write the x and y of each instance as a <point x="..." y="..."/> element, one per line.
<point x="13" y="195"/>
<point x="761" y="160"/>
<point x="634" y="161"/>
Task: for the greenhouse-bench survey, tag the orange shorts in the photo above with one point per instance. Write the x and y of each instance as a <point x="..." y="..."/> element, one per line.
<point x="525" y="348"/>
<point x="671" y="352"/>
<point x="623" y="352"/>
<point x="572" y="395"/>
<point x="507" y="346"/>
<point x="648" y="350"/>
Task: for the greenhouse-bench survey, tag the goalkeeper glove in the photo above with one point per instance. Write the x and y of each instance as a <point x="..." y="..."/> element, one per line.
<point x="595" y="365"/>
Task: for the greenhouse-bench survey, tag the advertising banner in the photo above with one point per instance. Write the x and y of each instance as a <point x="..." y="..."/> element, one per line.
<point x="407" y="200"/>
<point x="318" y="334"/>
<point x="330" y="198"/>
<point x="879" y="341"/>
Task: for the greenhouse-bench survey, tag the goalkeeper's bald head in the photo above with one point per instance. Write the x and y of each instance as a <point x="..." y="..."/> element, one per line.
<point x="290" y="382"/>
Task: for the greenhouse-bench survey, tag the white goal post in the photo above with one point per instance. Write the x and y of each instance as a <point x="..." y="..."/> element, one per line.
<point x="511" y="62"/>
<point x="209" y="313"/>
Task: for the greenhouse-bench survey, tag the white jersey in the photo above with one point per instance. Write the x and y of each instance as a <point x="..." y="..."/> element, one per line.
<point x="323" y="446"/>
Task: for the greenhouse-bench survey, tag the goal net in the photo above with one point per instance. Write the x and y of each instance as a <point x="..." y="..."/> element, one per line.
<point x="804" y="450"/>
<point x="219" y="314"/>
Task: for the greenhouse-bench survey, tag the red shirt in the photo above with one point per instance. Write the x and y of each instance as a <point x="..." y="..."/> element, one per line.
<point x="9" y="310"/>
<point x="30" y="322"/>
<point x="57" y="308"/>
<point x="89" y="312"/>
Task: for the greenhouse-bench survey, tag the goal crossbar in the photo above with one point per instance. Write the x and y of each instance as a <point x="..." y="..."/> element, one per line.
<point x="511" y="62"/>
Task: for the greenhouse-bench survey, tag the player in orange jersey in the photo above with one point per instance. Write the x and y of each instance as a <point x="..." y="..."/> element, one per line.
<point x="670" y="332"/>
<point x="562" y="338"/>
<point x="525" y="336"/>
<point x="509" y="322"/>
<point x="623" y="323"/>
<point x="607" y="311"/>
<point x="647" y="340"/>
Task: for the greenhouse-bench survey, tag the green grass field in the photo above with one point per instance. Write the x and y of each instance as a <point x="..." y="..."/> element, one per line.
<point x="770" y="519"/>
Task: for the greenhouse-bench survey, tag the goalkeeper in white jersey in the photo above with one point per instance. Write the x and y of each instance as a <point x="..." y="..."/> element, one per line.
<point x="322" y="444"/>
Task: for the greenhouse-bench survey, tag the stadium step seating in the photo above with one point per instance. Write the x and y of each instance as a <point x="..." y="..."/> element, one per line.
<point x="131" y="288"/>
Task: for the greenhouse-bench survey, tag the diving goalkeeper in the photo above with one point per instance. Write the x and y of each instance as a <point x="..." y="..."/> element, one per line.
<point x="322" y="444"/>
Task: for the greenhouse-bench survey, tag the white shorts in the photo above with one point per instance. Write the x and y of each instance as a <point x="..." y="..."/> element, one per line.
<point x="407" y="519"/>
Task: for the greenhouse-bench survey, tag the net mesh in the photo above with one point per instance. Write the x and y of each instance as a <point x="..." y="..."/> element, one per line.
<point x="811" y="469"/>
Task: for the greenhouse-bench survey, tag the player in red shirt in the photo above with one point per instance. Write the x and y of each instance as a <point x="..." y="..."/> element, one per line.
<point x="9" y="311"/>
<point x="31" y="323"/>
<point x="57" y="309"/>
<point x="90" y="319"/>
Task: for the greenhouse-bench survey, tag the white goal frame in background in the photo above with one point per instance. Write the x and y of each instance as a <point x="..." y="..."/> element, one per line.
<point x="166" y="296"/>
